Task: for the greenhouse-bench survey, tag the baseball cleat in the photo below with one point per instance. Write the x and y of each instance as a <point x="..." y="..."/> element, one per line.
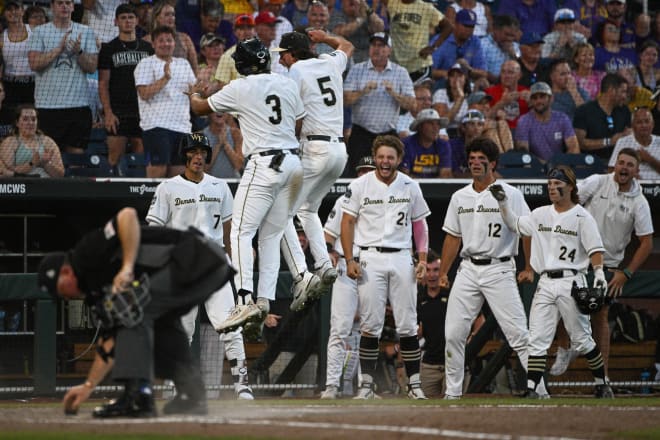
<point x="604" y="391"/>
<point x="415" y="391"/>
<point x="182" y="404"/>
<point x="331" y="393"/>
<point x="304" y="290"/>
<point x="365" y="392"/>
<point x="241" y="315"/>
<point x="563" y="360"/>
<point x="450" y="397"/>
<point x="243" y="392"/>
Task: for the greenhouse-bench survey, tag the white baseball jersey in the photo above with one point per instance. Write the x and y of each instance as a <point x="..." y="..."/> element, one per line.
<point x="281" y="107"/>
<point x="561" y="240"/>
<point x="385" y="212"/>
<point x="475" y="218"/>
<point x="616" y="213"/>
<point x="333" y="223"/>
<point x="179" y="203"/>
<point x="321" y="87"/>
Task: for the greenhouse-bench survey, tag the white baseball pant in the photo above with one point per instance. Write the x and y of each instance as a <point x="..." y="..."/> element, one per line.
<point x="495" y="283"/>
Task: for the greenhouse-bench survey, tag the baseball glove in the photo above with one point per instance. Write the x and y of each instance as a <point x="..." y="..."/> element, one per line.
<point x="498" y="192"/>
<point x="588" y="299"/>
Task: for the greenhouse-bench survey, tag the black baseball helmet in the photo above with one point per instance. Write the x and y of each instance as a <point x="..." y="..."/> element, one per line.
<point x="251" y="57"/>
<point x="194" y="140"/>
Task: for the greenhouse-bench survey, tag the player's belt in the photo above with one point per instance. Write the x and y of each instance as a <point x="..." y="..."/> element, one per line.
<point x="487" y="261"/>
<point x="384" y="250"/>
<point x="320" y="137"/>
<point x="560" y="273"/>
<point x="273" y="152"/>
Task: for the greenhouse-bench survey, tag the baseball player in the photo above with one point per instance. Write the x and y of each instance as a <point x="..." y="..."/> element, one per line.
<point x="323" y="152"/>
<point x="268" y="107"/>
<point x="344" y="305"/>
<point x="488" y="269"/>
<point x="382" y="210"/>
<point x="617" y="204"/>
<point x="565" y="240"/>
<point x="197" y="199"/>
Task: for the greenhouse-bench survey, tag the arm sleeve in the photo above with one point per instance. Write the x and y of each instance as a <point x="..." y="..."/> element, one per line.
<point x="421" y="235"/>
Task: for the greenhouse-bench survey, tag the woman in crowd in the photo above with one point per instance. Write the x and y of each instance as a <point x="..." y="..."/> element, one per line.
<point x="28" y="151"/>
<point x="35" y="16"/>
<point x="451" y="103"/>
<point x="163" y="15"/>
<point x="211" y="48"/>
<point x="610" y="56"/>
<point x="585" y="76"/>
<point x="647" y="73"/>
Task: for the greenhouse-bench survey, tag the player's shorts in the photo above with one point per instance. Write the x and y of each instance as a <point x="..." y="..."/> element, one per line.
<point x="161" y="146"/>
<point x="129" y="126"/>
<point x="69" y="127"/>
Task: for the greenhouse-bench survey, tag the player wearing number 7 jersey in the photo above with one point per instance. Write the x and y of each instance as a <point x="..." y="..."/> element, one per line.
<point x="269" y="108"/>
<point x="488" y="269"/>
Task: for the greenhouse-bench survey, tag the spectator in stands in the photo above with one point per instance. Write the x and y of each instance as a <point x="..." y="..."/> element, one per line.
<point x="644" y="141"/>
<point x="163" y="15"/>
<point x="28" y="152"/>
<point x="265" y="28"/>
<point x="296" y="12"/>
<point x="283" y="25"/>
<point x="533" y="15"/>
<point x="143" y="11"/>
<point x="588" y="12"/>
<point x="648" y="74"/>
<point x="161" y="81"/>
<point x="496" y="127"/>
<point x="533" y="67"/>
<point x="500" y="45"/>
<point x="460" y="47"/>
<point x="431" y="313"/>
<point x="451" y="102"/>
<point x="377" y="89"/>
<point x="117" y="61"/>
<point x="35" y="16"/>
<point x="508" y="95"/>
<point x="212" y="47"/>
<point x="5" y="129"/>
<point x="425" y="154"/>
<point x="482" y="11"/>
<point x="636" y="96"/>
<point x="410" y="22"/>
<point x="243" y="29"/>
<point x="584" y="74"/>
<point x="227" y="142"/>
<point x="561" y="42"/>
<point x="600" y="123"/>
<point x="209" y="21"/>
<point x="61" y="53"/>
<point x="472" y="126"/>
<point x="17" y="77"/>
<point x="356" y="21"/>
<point x="567" y="96"/>
<point x="424" y="100"/>
<point x="100" y="16"/>
<point x="610" y="55"/>
<point x="629" y="33"/>
<point x="318" y="17"/>
<point x="545" y="132"/>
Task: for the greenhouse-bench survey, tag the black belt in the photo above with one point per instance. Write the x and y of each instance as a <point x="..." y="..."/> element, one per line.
<point x="320" y="137"/>
<point x="487" y="261"/>
<point x="560" y="273"/>
<point x="384" y="250"/>
<point x="273" y="152"/>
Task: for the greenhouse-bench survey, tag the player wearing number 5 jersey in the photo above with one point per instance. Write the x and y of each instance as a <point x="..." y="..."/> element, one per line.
<point x="565" y="240"/>
<point x="382" y="209"/>
<point x="488" y="269"/>
<point x="268" y="107"/>
<point x="323" y="152"/>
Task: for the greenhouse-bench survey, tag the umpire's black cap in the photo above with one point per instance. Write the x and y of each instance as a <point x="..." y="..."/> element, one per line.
<point x="366" y="162"/>
<point x="49" y="271"/>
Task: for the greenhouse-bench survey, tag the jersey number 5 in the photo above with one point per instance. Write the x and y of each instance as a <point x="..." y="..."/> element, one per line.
<point x="325" y="90"/>
<point x="276" y="106"/>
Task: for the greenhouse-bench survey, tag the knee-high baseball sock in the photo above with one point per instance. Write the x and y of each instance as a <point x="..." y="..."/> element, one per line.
<point x="535" y="370"/>
<point x="368" y="354"/>
<point x="239" y="372"/>
<point x="596" y="365"/>
<point x="411" y="354"/>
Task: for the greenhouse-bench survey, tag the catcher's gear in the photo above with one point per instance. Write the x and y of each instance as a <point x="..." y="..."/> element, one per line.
<point x="498" y="192"/>
<point x="194" y="140"/>
<point x="589" y="300"/>
<point x="125" y="308"/>
<point x="251" y="57"/>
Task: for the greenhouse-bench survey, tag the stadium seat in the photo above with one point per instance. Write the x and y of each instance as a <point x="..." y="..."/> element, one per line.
<point x="133" y="165"/>
<point x="520" y="165"/>
<point x="584" y="165"/>
<point x="85" y="165"/>
<point x="97" y="142"/>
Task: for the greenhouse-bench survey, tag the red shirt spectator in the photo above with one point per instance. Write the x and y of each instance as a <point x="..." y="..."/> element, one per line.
<point x="509" y="98"/>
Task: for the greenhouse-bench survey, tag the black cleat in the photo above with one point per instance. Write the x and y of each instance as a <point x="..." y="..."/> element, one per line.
<point x="128" y="405"/>
<point x="183" y="404"/>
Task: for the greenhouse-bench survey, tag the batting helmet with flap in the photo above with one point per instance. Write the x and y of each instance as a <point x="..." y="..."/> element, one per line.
<point x="589" y="300"/>
<point x="251" y="57"/>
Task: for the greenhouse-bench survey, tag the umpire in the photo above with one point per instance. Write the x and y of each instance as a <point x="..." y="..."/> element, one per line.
<point x="142" y="335"/>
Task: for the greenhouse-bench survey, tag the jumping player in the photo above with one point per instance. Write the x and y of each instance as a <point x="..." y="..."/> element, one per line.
<point x="268" y="107"/>
<point x="197" y="199"/>
<point x="381" y="211"/>
<point x="488" y="269"/>
<point x="320" y="83"/>
<point x="565" y="240"/>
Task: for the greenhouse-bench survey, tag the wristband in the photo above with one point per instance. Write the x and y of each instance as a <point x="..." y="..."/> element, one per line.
<point x="627" y="273"/>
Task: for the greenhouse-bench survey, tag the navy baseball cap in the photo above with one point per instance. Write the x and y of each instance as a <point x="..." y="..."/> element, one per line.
<point x="466" y="17"/>
<point x="49" y="271"/>
<point x="292" y="41"/>
<point x="530" y="38"/>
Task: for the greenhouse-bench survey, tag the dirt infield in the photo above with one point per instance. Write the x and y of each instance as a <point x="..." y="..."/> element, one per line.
<point x="491" y="419"/>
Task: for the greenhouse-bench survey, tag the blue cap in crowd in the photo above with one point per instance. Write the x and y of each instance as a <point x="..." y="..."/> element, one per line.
<point x="466" y="17"/>
<point x="530" y="38"/>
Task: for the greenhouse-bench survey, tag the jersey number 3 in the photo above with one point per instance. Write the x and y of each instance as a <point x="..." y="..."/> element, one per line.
<point x="276" y="106"/>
